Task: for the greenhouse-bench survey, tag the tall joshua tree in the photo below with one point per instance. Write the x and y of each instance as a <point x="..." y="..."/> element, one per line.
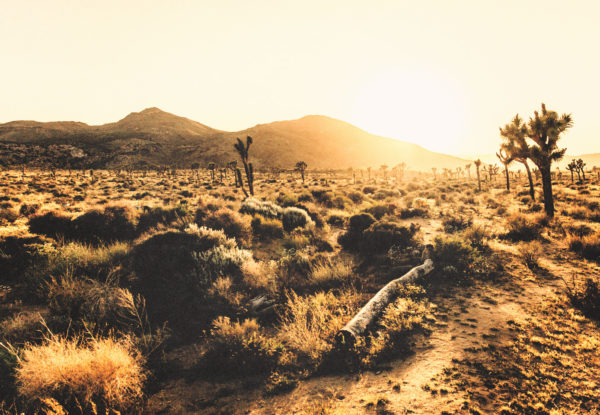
<point x="515" y="145"/>
<point x="581" y="167"/>
<point x="506" y="160"/>
<point x="545" y="129"/>
<point x="477" y="164"/>
<point x="434" y="170"/>
<point x="301" y="167"/>
<point x="243" y="152"/>
<point x="212" y="167"/>
<point x="572" y="167"/>
<point x="468" y="167"/>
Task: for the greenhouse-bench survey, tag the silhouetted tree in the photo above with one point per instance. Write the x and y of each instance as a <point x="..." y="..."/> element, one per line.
<point x="506" y="160"/>
<point x="301" y="167"/>
<point x="516" y="146"/>
<point x="477" y="164"/>
<point x="545" y="129"/>
<point x="212" y="167"/>
<point x="243" y="152"/>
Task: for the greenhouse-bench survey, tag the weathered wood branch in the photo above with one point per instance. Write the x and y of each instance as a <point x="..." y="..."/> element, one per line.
<point x="371" y="311"/>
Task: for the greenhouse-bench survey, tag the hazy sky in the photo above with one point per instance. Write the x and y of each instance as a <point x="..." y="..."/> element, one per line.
<point x="444" y="74"/>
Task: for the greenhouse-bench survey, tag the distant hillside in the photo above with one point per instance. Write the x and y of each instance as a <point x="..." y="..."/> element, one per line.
<point x="153" y="137"/>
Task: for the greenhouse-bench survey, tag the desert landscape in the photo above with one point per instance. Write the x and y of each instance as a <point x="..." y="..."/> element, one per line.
<point x="417" y="232"/>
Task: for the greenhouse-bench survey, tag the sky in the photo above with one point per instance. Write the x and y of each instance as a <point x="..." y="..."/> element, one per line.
<point x="442" y="74"/>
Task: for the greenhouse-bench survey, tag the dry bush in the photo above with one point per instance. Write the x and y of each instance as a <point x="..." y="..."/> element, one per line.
<point x="84" y="259"/>
<point x="586" y="246"/>
<point x="231" y="222"/>
<point x="523" y="228"/>
<point x="530" y="253"/>
<point x="331" y="273"/>
<point x="114" y="223"/>
<point x="381" y="236"/>
<point x="240" y="348"/>
<point x="22" y="327"/>
<point x="453" y="223"/>
<point x="82" y="374"/>
<point x="91" y="301"/>
<point x="408" y="313"/>
<point x="260" y="276"/>
<point x="253" y="206"/>
<point x="155" y="216"/>
<point x="309" y="324"/>
<point x="8" y="216"/>
<point x="53" y="224"/>
<point x="293" y="217"/>
<point x="266" y="228"/>
<point x="585" y="297"/>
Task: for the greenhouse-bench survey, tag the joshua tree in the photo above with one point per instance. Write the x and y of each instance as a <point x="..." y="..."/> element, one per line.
<point x="572" y="167"/>
<point x="506" y="160"/>
<point x="581" y="168"/>
<point x="434" y="170"/>
<point x="243" y="152"/>
<point x="545" y="129"/>
<point x="468" y="167"/>
<point x="301" y="167"/>
<point x="212" y="167"/>
<point x="383" y="169"/>
<point x="369" y="172"/>
<point x="516" y="146"/>
<point x="401" y="168"/>
<point x="232" y="165"/>
<point x="477" y="164"/>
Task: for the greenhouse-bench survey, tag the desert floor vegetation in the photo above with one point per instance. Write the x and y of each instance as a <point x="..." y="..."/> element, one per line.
<point x="172" y="292"/>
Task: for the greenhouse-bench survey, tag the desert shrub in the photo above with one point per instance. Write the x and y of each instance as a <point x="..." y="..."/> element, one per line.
<point x="323" y="196"/>
<point x="253" y="206"/>
<point x="369" y="190"/>
<point x="579" y="230"/>
<point x="336" y="220"/>
<point x="356" y="197"/>
<point x="231" y="222"/>
<point x="180" y="265"/>
<point x="17" y="255"/>
<point x="360" y="222"/>
<point x="22" y="327"/>
<point x="8" y="363"/>
<point x="82" y="375"/>
<point x="378" y="211"/>
<point x="53" y="224"/>
<point x="114" y="223"/>
<point x="294" y="267"/>
<point x="409" y="313"/>
<point x="266" y="228"/>
<point x="309" y="324"/>
<point x="454" y="256"/>
<point x="305" y="196"/>
<point x="453" y="223"/>
<point x="382" y="194"/>
<point x="477" y="236"/>
<point x="330" y="273"/>
<point x="151" y="217"/>
<point x="285" y="199"/>
<point x="103" y="303"/>
<point x="293" y="218"/>
<point x="530" y="253"/>
<point x="356" y="225"/>
<point x="586" y="298"/>
<point x="8" y="216"/>
<point x="415" y="212"/>
<point x="82" y="259"/>
<point x="381" y="236"/>
<point x="28" y="209"/>
<point x="240" y="348"/>
<point x="522" y="228"/>
<point x="577" y="212"/>
<point x="587" y="247"/>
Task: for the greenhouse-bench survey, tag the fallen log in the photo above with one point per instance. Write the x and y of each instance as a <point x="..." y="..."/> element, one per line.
<point x="367" y="315"/>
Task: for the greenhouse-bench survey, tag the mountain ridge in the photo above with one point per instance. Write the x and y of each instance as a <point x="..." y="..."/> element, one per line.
<point x="153" y="137"/>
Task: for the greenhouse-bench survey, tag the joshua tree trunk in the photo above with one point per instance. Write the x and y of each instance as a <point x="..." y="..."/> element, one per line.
<point x="583" y="174"/>
<point x="507" y="180"/>
<point x="531" y="189"/>
<point x="478" y="179"/>
<point x="572" y="179"/>
<point x="547" y="187"/>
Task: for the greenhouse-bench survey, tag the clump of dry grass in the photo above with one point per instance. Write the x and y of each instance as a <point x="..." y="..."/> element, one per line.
<point x="331" y="273"/>
<point x="80" y="373"/>
<point x="309" y="324"/>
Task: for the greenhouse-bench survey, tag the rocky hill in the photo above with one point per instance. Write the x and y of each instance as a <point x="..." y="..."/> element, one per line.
<point x="153" y="138"/>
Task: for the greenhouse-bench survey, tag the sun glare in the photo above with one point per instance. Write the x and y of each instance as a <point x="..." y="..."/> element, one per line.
<point x="416" y="105"/>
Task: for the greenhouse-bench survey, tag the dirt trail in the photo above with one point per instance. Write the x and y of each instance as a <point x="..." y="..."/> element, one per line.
<point x="466" y="319"/>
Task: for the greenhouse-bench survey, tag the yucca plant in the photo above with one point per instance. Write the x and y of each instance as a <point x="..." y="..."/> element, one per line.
<point x="515" y="145"/>
<point x="243" y="152"/>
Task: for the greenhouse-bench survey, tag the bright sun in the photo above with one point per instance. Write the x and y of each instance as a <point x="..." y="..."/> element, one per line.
<point x="415" y="105"/>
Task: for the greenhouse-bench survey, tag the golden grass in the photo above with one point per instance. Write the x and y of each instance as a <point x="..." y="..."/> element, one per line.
<point x="81" y="371"/>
